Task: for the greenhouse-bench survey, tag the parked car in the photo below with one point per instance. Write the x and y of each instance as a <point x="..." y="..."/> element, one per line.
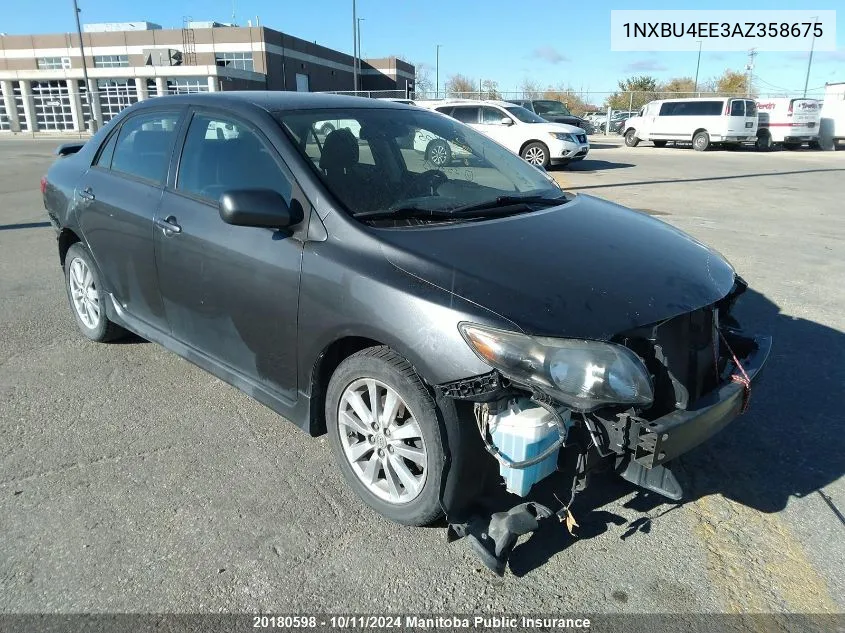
<point x="787" y="122"/>
<point x="833" y="116"/>
<point x="536" y="140"/>
<point x="450" y="329"/>
<point x="554" y="112"/>
<point x="700" y="121"/>
<point x="617" y="118"/>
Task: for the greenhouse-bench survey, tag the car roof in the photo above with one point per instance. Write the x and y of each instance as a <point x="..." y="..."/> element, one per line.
<point x="278" y="100"/>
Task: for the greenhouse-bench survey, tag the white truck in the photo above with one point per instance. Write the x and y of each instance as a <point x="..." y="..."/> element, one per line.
<point x="833" y="115"/>
<point x="787" y="122"/>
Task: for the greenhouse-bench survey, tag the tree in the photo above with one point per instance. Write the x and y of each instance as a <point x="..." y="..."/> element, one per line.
<point x="530" y="89"/>
<point x="457" y="85"/>
<point x="423" y="83"/>
<point x="732" y="83"/>
<point x="569" y="96"/>
<point x="490" y="89"/>
<point x="679" y="87"/>
<point x="635" y="92"/>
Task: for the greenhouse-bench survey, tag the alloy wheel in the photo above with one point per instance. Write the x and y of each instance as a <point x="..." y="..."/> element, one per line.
<point x="438" y="155"/>
<point x="382" y="441"/>
<point x="86" y="299"/>
<point x="535" y="156"/>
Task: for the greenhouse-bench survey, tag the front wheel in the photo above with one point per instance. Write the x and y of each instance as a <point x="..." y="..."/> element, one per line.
<point x="701" y="141"/>
<point x="438" y="153"/>
<point x="536" y="154"/>
<point x="87" y="298"/>
<point x="631" y="139"/>
<point x="384" y="432"/>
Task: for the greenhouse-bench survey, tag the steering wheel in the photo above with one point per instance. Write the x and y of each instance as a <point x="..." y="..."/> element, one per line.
<point x="431" y="180"/>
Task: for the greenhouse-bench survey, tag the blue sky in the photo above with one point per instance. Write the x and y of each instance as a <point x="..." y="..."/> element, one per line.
<point x="506" y="41"/>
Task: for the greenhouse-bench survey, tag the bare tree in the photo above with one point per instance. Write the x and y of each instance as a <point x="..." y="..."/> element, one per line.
<point x="530" y="89"/>
<point x="569" y="97"/>
<point x="490" y="89"/>
<point x="423" y="83"/>
<point x="458" y="85"/>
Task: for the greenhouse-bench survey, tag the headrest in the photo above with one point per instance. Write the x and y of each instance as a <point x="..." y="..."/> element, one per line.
<point x="340" y="150"/>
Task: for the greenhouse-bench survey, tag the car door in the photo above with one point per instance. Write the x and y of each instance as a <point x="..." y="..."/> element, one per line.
<point x="118" y="197"/>
<point x="491" y="124"/>
<point x="231" y="292"/>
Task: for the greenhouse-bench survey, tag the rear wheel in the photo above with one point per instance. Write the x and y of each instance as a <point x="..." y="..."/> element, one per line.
<point x="536" y="154"/>
<point x="764" y="141"/>
<point x="659" y="143"/>
<point x="384" y="432"/>
<point x="86" y="296"/>
<point x="701" y="141"/>
<point x="631" y="139"/>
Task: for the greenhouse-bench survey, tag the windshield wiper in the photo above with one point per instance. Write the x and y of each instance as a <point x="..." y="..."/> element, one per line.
<point x="509" y="201"/>
<point x="503" y="205"/>
<point x="405" y="213"/>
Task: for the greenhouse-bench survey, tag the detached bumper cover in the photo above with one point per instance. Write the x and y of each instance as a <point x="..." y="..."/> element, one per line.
<point x="680" y="431"/>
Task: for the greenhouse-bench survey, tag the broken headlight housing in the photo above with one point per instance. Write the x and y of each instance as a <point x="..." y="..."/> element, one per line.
<point x="584" y="375"/>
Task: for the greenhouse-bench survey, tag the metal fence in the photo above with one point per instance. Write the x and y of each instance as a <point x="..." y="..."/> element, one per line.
<point x="372" y="94"/>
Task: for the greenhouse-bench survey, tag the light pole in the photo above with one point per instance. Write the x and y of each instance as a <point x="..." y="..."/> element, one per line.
<point x="810" y="62"/>
<point x="354" y="48"/>
<point x="358" y="22"/>
<point x="697" y="66"/>
<point x="92" y="122"/>
<point x="437" y="73"/>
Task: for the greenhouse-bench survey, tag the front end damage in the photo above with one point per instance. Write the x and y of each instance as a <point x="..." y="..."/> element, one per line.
<point x="702" y="368"/>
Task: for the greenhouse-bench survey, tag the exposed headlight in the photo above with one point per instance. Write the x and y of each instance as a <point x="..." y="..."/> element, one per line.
<point x="564" y="136"/>
<point x="584" y="375"/>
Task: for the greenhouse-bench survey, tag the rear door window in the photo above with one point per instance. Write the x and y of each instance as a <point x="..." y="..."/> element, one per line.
<point x="466" y="114"/>
<point x="738" y="107"/>
<point x="144" y="144"/>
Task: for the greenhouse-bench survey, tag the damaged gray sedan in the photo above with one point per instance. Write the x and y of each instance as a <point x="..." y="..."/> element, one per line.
<point x="456" y="328"/>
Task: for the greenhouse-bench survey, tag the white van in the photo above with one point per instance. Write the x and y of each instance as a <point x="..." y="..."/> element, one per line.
<point x="702" y="122"/>
<point x="787" y="121"/>
<point x="833" y="115"/>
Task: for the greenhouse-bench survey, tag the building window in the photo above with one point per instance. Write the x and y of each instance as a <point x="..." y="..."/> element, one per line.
<point x="302" y="83"/>
<point x="115" y="94"/>
<point x="5" y="123"/>
<point x="51" y="101"/>
<point x="186" y="85"/>
<point x="111" y="61"/>
<point x="53" y="63"/>
<point x="242" y="61"/>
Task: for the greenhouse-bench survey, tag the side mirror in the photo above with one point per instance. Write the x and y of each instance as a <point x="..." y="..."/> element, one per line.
<point x="258" y="207"/>
<point x="506" y="121"/>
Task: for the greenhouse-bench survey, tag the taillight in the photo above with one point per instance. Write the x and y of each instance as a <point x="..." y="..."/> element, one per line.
<point x="43" y="185"/>
<point x="789" y="112"/>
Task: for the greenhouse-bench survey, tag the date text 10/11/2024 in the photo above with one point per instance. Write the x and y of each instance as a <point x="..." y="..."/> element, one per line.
<point x="413" y="621"/>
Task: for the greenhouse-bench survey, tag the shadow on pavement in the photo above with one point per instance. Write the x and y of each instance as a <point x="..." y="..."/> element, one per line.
<point x="24" y="225"/>
<point x="587" y="165"/>
<point x="790" y="444"/>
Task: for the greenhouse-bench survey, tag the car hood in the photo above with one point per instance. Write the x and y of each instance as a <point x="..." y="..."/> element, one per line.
<point x="586" y="269"/>
<point x="556" y="127"/>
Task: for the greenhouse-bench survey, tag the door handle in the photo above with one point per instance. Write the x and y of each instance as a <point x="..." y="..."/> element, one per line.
<point x="86" y="194"/>
<point x="168" y="225"/>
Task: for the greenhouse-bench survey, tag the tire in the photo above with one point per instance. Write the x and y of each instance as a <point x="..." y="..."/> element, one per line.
<point x="659" y="143"/>
<point x="86" y="298"/>
<point x="384" y="370"/>
<point x="701" y="141"/>
<point x="764" y="141"/>
<point x="326" y="129"/>
<point x="536" y="153"/>
<point x="792" y="146"/>
<point x="631" y="139"/>
<point x="438" y="153"/>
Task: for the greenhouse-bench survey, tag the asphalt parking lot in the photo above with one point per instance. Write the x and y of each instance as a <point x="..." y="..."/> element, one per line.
<point x="131" y="480"/>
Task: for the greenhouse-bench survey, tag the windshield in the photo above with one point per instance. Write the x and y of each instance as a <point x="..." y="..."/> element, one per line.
<point x="526" y="116"/>
<point x="551" y="107"/>
<point x="381" y="160"/>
